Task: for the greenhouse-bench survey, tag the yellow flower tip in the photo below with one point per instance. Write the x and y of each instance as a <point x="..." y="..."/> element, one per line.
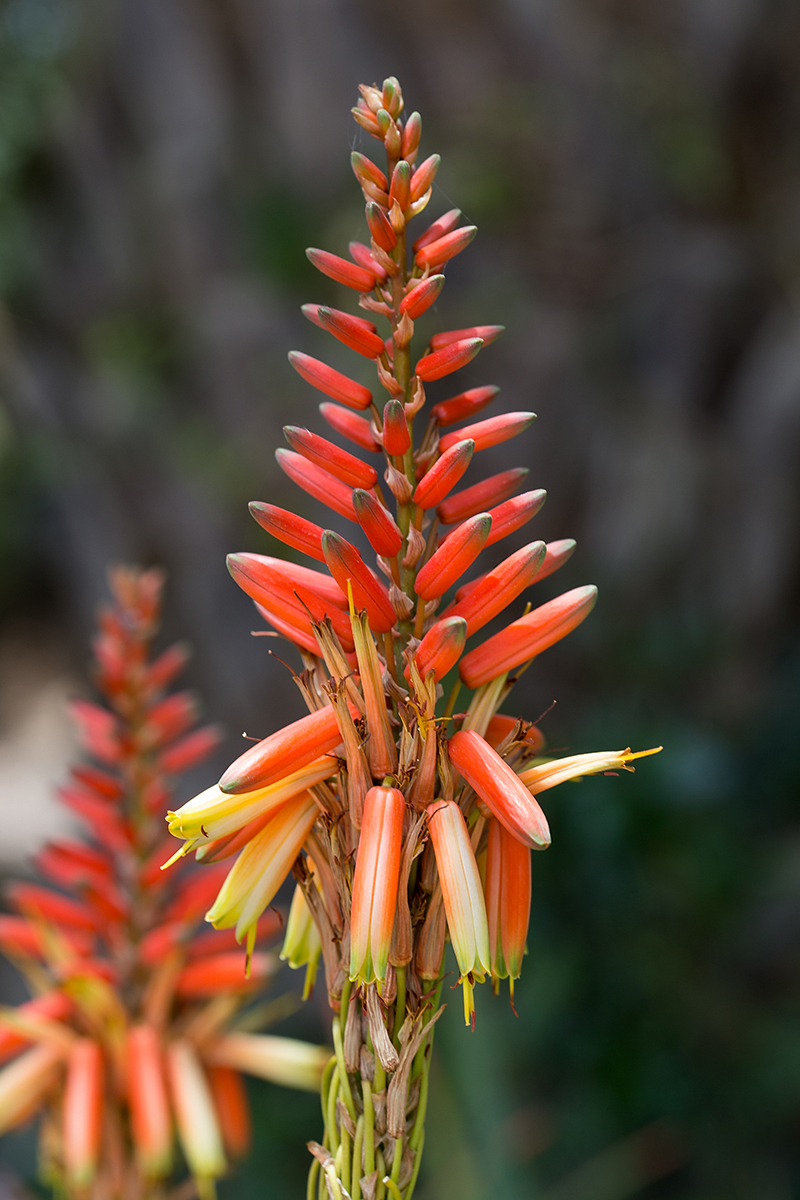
<point x="627" y="756"/>
<point x="186" y="848"/>
<point x="469" y="1001"/>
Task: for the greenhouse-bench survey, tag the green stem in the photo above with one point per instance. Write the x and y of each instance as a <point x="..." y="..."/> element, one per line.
<point x="400" y="1002"/>
<point x="312" y="1178"/>
<point x="331" y="1115"/>
<point x="344" y="1082"/>
<point x="417" y="1161"/>
<point x="358" y="1142"/>
<point x="369" y="1128"/>
<point x="396" y="1161"/>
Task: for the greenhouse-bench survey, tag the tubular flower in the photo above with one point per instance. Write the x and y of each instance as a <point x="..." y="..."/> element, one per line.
<point x="384" y="798"/>
<point x="114" y="1052"/>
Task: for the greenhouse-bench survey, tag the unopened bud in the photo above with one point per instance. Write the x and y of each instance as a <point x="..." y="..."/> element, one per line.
<point x="392" y="141"/>
<point x="392" y="96"/>
<point x="366" y="120"/>
<point x="411" y="137"/>
<point x="382" y="233"/>
<point x="400" y="189"/>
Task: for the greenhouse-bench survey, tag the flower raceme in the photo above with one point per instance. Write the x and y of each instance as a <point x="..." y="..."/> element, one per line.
<point x="383" y="799"/>
<point x="126" y="1036"/>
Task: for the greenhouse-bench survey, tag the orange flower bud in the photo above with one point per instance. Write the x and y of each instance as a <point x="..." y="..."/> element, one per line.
<point x="396" y="437"/>
<point x="325" y="454"/>
<point x="512" y="514"/>
<point x="149" y="1103"/>
<point x="355" y="332"/>
<point x="346" y="565"/>
<point x="283" y="752"/>
<point x="499" y="788"/>
<point x="36" y="901"/>
<point x="400" y="188"/>
<point x="411" y="137"/>
<point x="317" y="482"/>
<point x="527" y="637"/>
<point x="377" y="523"/>
<point x="490" y="432"/>
<point x="342" y="271"/>
<point x="462" y="894"/>
<point x="223" y="973"/>
<point x="444" y="475"/>
<point x="499" y="587"/>
<point x="294" y="592"/>
<point x="53" y="1006"/>
<point x="508" y="901"/>
<point x="375" y="884"/>
<point x="502" y="725"/>
<point x="83" y="1112"/>
<point x="456" y="554"/>
<point x="380" y="228"/>
<point x="487" y="334"/>
<point x="191" y="750"/>
<point x="481" y="496"/>
<point x="365" y="258"/>
<point x="557" y="554"/>
<point x="450" y="358"/>
<point x="441" y="647"/>
<point x="424" y="176"/>
<point x="421" y="296"/>
<point x="288" y="528"/>
<point x="368" y="172"/>
<point x="436" y="254"/>
<point x="290" y="622"/>
<point x="233" y="1109"/>
<point x="356" y="429"/>
<point x="465" y="404"/>
<point x="332" y="383"/>
<point x="438" y="229"/>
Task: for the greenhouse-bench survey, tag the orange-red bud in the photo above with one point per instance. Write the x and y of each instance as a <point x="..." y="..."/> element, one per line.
<point x="490" y="432"/>
<point x="53" y="1006"/>
<point x="487" y="334"/>
<point x="346" y="565"/>
<point x="380" y="228"/>
<point x="508" y="901"/>
<point x="527" y="637"/>
<point x="191" y="750"/>
<point x="83" y="1112"/>
<point x="396" y="436"/>
<point x="355" y="332"/>
<point x="348" y="424"/>
<point x="233" y="1109"/>
<point x="436" y="254"/>
<point x="499" y="587"/>
<point x="368" y="172"/>
<point x="465" y="404"/>
<point x="502" y="725"/>
<point x="224" y="972"/>
<point x="290" y="529"/>
<point x="448" y="359"/>
<point x="342" y="271"/>
<point x="438" y="229"/>
<point x="36" y="901"/>
<point x="512" y="514"/>
<point x="411" y="136"/>
<point x="325" y="454"/>
<point x="400" y="188"/>
<point x="441" y="647"/>
<point x="456" y="554"/>
<point x="419" y="299"/>
<point x="317" y="482"/>
<point x="149" y="1102"/>
<point x="481" y="496"/>
<point x="424" y="176"/>
<point x="378" y="524"/>
<point x="332" y="383"/>
<point x="443" y="475"/>
<point x="283" y="752"/>
<point x="375" y="883"/>
<point x="499" y="788"/>
<point x="365" y="258"/>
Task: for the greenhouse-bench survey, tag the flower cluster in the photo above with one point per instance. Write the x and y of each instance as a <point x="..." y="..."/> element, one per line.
<point x="129" y="1031"/>
<point x="404" y="821"/>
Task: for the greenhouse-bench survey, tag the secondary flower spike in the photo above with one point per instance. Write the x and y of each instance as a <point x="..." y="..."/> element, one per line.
<point x="386" y="797"/>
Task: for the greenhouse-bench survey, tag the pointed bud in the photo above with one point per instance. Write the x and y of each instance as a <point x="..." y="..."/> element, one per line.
<point x="490" y="432"/>
<point x="365" y="258"/>
<point x="412" y="133"/>
<point x="455" y="555"/>
<point x="420" y="297"/>
<point x="366" y="120"/>
<point x="441" y="647"/>
<point x="377" y="523"/>
<point x="400" y="189"/>
<point x="223" y="973"/>
<point x="527" y="637"/>
<point x="392" y="96"/>
<point x="550" y="774"/>
<point x="465" y="404"/>
<point x="424" y="176"/>
<point x="342" y="271"/>
<point x="331" y="382"/>
<point x="25" y="1082"/>
<point x="198" y="1126"/>
<point x="438" y="229"/>
<point x="512" y="514"/>
<point x="151" y="1119"/>
<point x="325" y="454"/>
<point x="233" y="1109"/>
<point x="355" y="332"/>
<point x="191" y="750"/>
<point x="354" y="428"/>
<point x="299" y="594"/>
<point x="262" y="866"/>
<point x="380" y="228"/>
<point x="281" y="1060"/>
<point x="499" y="788"/>
<point x="444" y="475"/>
<point x="83" y="1113"/>
<point x="381" y="747"/>
<point x="436" y="254"/>
<point x="487" y="334"/>
<point x="501" y="726"/>
<point x="375" y="884"/>
<point x="499" y="587"/>
<point x="283" y="752"/>
<point x="508" y="901"/>
<point x="346" y="565"/>
<point x="481" y="496"/>
<point x="317" y="482"/>
<point x="368" y="172"/>
<point x="290" y="622"/>
<point x="462" y="894"/>
<point x="448" y="359"/>
<point x="40" y="902"/>
<point x="396" y="437"/>
<point x="288" y="528"/>
<point x="557" y="554"/>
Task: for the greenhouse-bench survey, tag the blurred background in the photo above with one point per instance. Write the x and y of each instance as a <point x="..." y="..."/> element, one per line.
<point x="634" y="169"/>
